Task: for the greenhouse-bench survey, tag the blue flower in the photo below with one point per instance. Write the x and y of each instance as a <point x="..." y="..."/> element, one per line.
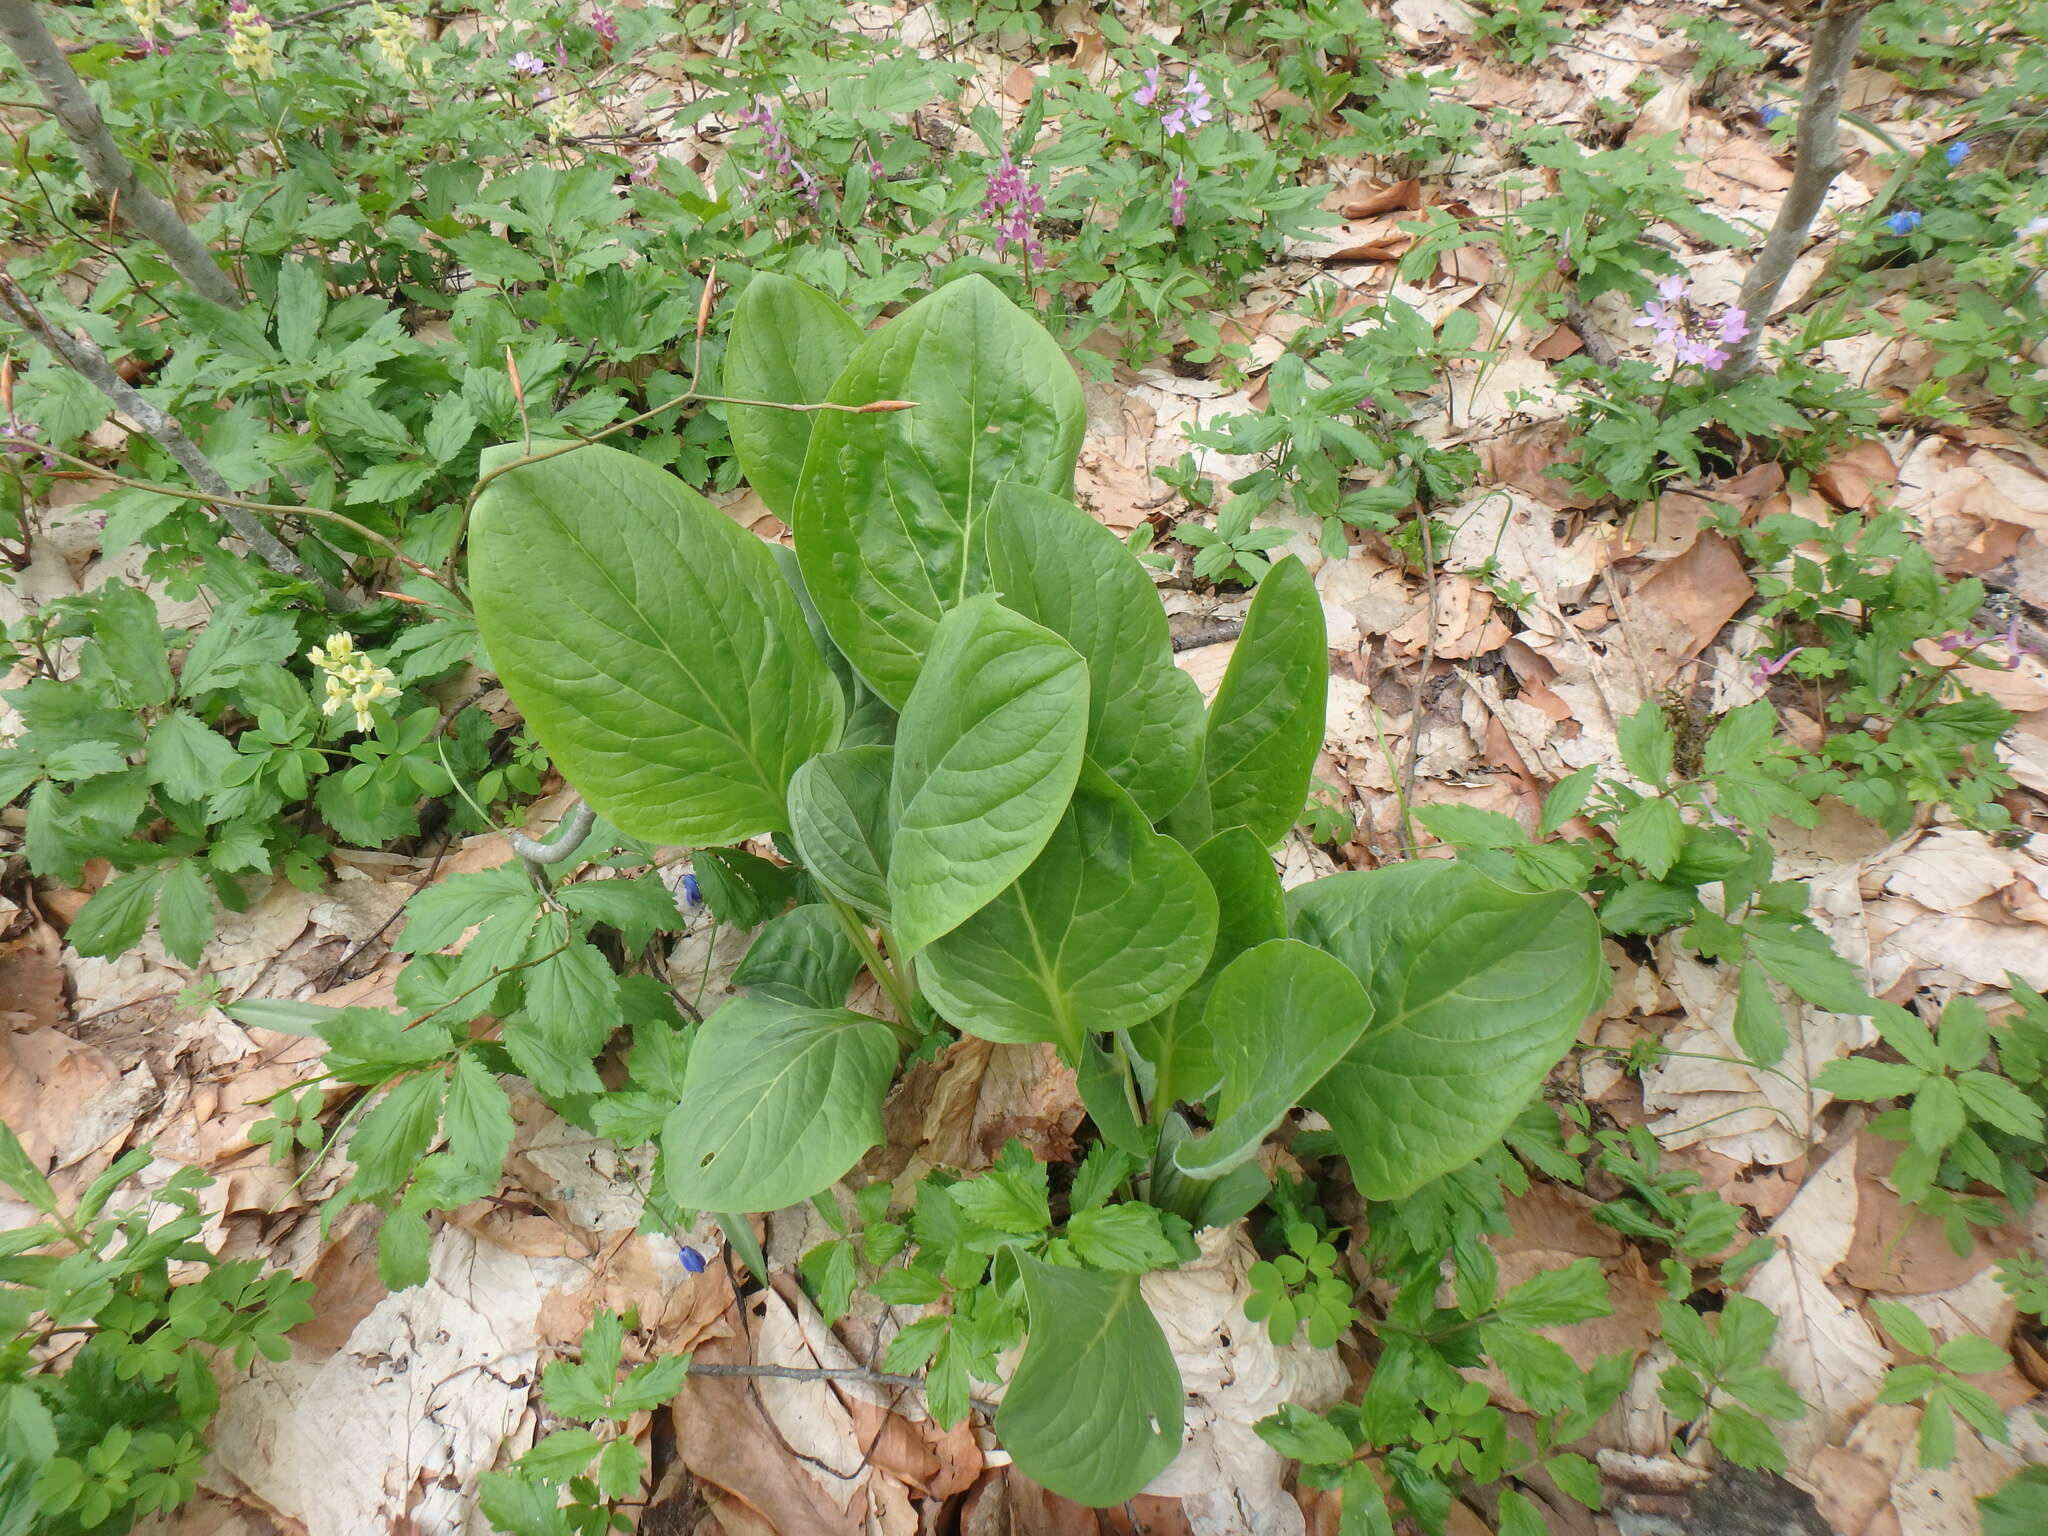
<point x="1956" y="152"/>
<point x="692" y="896"/>
<point x="693" y="1261"/>
<point x="1770" y="115"/>
<point x="1904" y="222"/>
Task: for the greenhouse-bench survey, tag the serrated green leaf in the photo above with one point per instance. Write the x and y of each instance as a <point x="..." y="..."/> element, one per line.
<point x="1126" y="1239"/>
<point x="1558" y="1296"/>
<point x="184" y="912"/>
<point x="1060" y="568"/>
<point x="1759" y="1019"/>
<point x="777" y="1103"/>
<point x="1858" y="1077"/>
<point x="789" y="343"/>
<point x="1650" y="834"/>
<point x="186" y="757"/>
<point x="1971" y="1354"/>
<point x="638" y="908"/>
<point x="392" y="1138"/>
<point x="1745" y="1439"/>
<point x="1477" y="991"/>
<point x="987" y="755"/>
<point x="1648" y="747"/>
<point x="20" y="1174"/>
<point x="113" y="920"/>
<point x="1266" y="724"/>
<point x="1109" y="925"/>
<point x="1094" y="1411"/>
<point x="1305" y="1437"/>
<point x="130" y="640"/>
<point x="403" y="1249"/>
<point x="888" y="514"/>
<point x="1937" y="1114"/>
<point x="1999" y="1104"/>
<point x="654" y="651"/>
<point x="1281" y="1016"/>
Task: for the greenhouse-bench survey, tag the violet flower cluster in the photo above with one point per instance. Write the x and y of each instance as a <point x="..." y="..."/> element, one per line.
<point x="1180" y="111"/>
<point x="2010" y="638"/>
<point x="775" y="139"/>
<point x="1010" y="202"/>
<point x="1694" y="337"/>
<point x="604" y="26"/>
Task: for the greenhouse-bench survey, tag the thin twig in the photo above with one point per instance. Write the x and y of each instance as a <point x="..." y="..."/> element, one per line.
<point x="83" y="355"/>
<point x="105" y="166"/>
<point x="270" y="508"/>
<point x="829" y="1373"/>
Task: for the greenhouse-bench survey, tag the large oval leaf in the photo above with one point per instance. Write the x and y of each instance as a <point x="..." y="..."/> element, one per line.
<point x="1477" y="992"/>
<point x="778" y="1101"/>
<point x="1094" y="1411"/>
<point x="1251" y="909"/>
<point x="888" y="516"/>
<point x="789" y="343"/>
<point x="1108" y="926"/>
<point x="1281" y="1016"/>
<point x="1266" y="725"/>
<point x="839" y="816"/>
<point x="1057" y="566"/>
<point x="987" y="753"/>
<point x="649" y="643"/>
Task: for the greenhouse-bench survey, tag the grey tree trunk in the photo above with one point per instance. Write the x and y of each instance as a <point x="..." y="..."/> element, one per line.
<point x="108" y="168"/>
<point x="1817" y="160"/>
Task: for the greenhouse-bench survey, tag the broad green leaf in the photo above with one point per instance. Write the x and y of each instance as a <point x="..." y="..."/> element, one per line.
<point x="987" y="754"/>
<point x="777" y="1103"/>
<point x="889" y="513"/>
<point x="839" y="817"/>
<point x="803" y="958"/>
<point x="2020" y="1508"/>
<point x="1250" y="910"/>
<point x="1759" y="1019"/>
<point x="1648" y="746"/>
<point x="1476" y="990"/>
<point x="395" y="1135"/>
<point x="1266" y="724"/>
<point x="788" y="344"/>
<point x="650" y="644"/>
<point x="1059" y="567"/>
<point x="1108" y="926"/>
<point x="1094" y="1411"/>
<point x="1281" y="1016"/>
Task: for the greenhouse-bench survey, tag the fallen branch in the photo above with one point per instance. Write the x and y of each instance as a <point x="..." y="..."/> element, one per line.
<point x="105" y="166"/>
<point x="83" y="355"/>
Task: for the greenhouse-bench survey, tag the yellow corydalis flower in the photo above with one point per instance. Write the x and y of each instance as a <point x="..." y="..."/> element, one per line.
<point x="145" y="15"/>
<point x="352" y="678"/>
<point x="249" y="40"/>
<point x="393" y="34"/>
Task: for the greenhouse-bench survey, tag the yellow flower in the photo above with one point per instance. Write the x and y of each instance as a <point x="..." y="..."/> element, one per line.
<point x="145" y="15"/>
<point x="249" y="42"/>
<point x="352" y="678"/>
<point x="394" y="37"/>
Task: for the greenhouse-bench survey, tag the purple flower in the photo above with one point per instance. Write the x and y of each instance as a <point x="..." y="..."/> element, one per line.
<point x="604" y="26"/>
<point x="2014" y="645"/>
<point x="1188" y="113"/>
<point x="1904" y="222"/>
<point x="1149" y="91"/>
<point x="691" y="1259"/>
<point x="1180" y="201"/>
<point x="1672" y="289"/>
<point x="1771" y="667"/>
<point x="1010" y="201"/>
<point x="1732" y="326"/>
<point x="692" y="895"/>
<point x="1664" y="318"/>
<point x="524" y="63"/>
<point x="1956" y="152"/>
<point x="1691" y="349"/>
<point x="775" y="140"/>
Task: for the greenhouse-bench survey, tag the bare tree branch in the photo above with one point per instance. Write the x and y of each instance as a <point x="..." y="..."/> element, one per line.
<point x="104" y="163"/>
<point x="1817" y="160"/>
<point x="83" y="355"/>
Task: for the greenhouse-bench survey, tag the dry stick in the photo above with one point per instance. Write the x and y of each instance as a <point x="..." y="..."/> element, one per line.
<point x="1817" y="160"/>
<point x="105" y="165"/>
<point x="83" y="355"/>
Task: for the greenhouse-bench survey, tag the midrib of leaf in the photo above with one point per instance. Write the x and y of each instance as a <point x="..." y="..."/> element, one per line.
<point x="744" y="740"/>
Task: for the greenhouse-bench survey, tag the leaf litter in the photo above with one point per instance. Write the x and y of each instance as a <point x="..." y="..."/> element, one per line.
<point x="393" y="1405"/>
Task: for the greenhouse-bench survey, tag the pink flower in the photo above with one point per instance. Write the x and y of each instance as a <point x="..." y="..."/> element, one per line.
<point x="1180" y="201"/>
<point x="1672" y="289"/>
<point x="1732" y="326"/>
<point x="604" y="26"/>
<point x="1149" y="91"/>
<point x="1010" y="201"/>
<point x="1771" y="667"/>
<point x="524" y="63"/>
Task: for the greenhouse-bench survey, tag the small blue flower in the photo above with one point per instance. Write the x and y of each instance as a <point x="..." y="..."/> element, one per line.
<point x="1904" y="222"/>
<point x="693" y="1261"/>
<point x="1956" y="152"/>
<point x="692" y="896"/>
<point x="1770" y="115"/>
